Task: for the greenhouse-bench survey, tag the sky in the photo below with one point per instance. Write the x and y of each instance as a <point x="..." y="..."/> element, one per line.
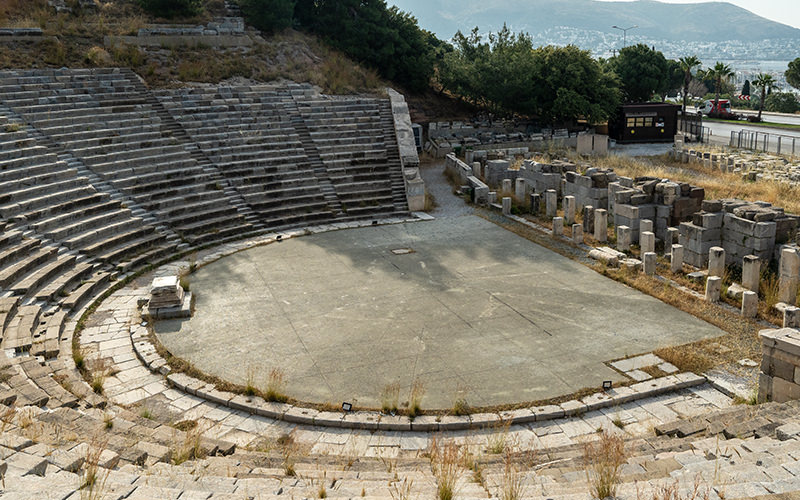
<point x="782" y="11"/>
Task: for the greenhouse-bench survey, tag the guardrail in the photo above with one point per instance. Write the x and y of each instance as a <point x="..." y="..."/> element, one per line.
<point x="765" y="141"/>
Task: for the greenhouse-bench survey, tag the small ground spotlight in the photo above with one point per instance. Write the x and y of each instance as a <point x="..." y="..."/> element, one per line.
<point x="606" y="385"/>
<point x="346" y="407"/>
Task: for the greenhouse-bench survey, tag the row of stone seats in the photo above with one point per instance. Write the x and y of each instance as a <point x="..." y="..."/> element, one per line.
<point x="257" y="149"/>
<point x="135" y="454"/>
<point x="144" y="164"/>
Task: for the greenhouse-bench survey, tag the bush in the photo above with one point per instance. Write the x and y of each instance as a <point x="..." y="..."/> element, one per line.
<point x="782" y="102"/>
<point x="172" y="8"/>
<point x="268" y="15"/>
<point x="98" y="56"/>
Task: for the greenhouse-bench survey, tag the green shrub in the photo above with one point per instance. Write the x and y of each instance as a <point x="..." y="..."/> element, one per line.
<point x="268" y="15"/>
<point x="172" y="8"/>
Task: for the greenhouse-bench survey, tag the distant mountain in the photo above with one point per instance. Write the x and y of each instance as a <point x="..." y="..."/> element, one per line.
<point x="699" y="22"/>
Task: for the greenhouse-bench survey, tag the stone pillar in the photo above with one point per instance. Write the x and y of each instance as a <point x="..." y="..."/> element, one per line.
<point x="519" y="189"/>
<point x="506" y="205"/>
<point x="588" y="219"/>
<point x="645" y="226"/>
<point x="623" y="238"/>
<point x="751" y="272"/>
<point x="492" y="197"/>
<point x="791" y="317"/>
<point x="569" y="209"/>
<point x="601" y="225"/>
<point x="558" y="226"/>
<point x="577" y="234"/>
<point x="536" y="204"/>
<point x="789" y="275"/>
<point x="671" y="238"/>
<point x="647" y="242"/>
<point x="506" y="188"/>
<point x="716" y="261"/>
<point x="676" y="262"/>
<point x="713" y="288"/>
<point x="749" y="304"/>
<point x="780" y="361"/>
<point x="551" y="203"/>
<point x="476" y="169"/>
<point x="649" y="263"/>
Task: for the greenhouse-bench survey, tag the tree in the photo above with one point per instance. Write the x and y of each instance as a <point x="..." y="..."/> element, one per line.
<point x="642" y="72"/>
<point x="793" y="73"/>
<point x="765" y="82"/>
<point x="719" y="73"/>
<point x="172" y="8"/>
<point x="674" y="80"/>
<point x="688" y="64"/>
<point x="386" y="39"/>
<point x="746" y="88"/>
<point x="782" y="102"/>
<point x="268" y="15"/>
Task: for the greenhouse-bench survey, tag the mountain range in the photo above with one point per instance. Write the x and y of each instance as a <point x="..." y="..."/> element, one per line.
<point x="698" y="22"/>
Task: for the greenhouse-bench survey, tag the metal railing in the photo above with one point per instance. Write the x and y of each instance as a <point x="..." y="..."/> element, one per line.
<point x="765" y="141"/>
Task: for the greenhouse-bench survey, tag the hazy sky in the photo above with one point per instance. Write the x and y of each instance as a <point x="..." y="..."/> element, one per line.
<point x="783" y="11"/>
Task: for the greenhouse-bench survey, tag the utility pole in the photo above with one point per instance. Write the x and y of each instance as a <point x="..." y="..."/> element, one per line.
<point x="625" y="33"/>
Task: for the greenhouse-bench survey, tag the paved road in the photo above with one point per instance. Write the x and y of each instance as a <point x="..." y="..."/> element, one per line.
<point x="721" y="134"/>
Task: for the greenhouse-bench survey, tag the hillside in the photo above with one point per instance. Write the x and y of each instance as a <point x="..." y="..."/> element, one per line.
<point x="656" y="20"/>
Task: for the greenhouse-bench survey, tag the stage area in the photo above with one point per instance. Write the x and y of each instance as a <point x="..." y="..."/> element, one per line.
<point x="470" y="309"/>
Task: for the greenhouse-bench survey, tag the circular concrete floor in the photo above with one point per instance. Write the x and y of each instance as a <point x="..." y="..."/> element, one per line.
<point x="460" y="304"/>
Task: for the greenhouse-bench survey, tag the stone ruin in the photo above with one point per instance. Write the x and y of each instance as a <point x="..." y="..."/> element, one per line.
<point x="168" y="300"/>
<point x="753" y="166"/>
<point x="740" y="227"/>
<point x="223" y="26"/>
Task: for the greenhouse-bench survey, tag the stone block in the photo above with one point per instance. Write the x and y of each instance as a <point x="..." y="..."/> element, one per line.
<point x="749" y="304"/>
<point x="588" y="219"/>
<point x="791" y="317"/>
<point x="676" y="258"/>
<point x="716" y="261"/>
<point x="491" y="198"/>
<point x="670" y="238"/>
<point x="551" y="203"/>
<point x="558" y="227"/>
<point x="784" y="390"/>
<point x="506" y="205"/>
<point x="506" y="186"/>
<point x="601" y="225"/>
<point x="645" y="225"/>
<point x="569" y="209"/>
<point x="713" y="288"/>
<point x="751" y="272"/>
<point x="577" y="234"/>
<point x="647" y="242"/>
<point x="519" y="189"/>
<point x="649" y="263"/>
<point x="623" y="238"/>
<point x="536" y="203"/>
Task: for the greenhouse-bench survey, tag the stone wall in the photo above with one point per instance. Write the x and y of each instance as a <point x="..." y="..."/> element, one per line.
<point x="465" y="175"/>
<point x="409" y="159"/>
<point x="780" y="365"/>
<point x="661" y="201"/>
<point x="740" y="227"/>
<point x="590" y="188"/>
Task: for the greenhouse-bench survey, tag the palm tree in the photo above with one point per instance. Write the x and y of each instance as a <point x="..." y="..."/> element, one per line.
<point x="718" y="73"/>
<point x="766" y="83"/>
<point x="688" y="63"/>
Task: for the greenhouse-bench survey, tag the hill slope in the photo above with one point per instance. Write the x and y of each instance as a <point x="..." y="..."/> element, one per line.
<point x="656" y="20"/>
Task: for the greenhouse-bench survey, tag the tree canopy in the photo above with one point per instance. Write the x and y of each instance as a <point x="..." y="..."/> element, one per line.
<point x="268" y="15"/>
<point x="172" y="8"/>
<point x="642" y="71"/>
<point x="505" y="74"/>
<point x="793" y="73"/>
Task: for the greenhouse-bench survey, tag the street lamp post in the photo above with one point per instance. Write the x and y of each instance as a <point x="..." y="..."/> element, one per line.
<point x="625" y="33"/>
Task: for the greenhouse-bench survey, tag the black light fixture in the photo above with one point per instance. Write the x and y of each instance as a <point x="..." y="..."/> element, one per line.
<point x="374" y="223"/>
<point x="606" y="385"/>
<point x="346" y="407"/>
<point x="279" y="237"/>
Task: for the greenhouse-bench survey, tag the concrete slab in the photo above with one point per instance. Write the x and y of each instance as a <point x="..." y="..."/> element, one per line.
<point x="474" y="311"/>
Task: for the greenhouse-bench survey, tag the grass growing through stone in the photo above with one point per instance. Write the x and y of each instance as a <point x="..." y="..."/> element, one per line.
<point x="250" y="383"/>
<point x="603" y="460"/>
<point x="100" y="369"/>
<point x="93" y="482"/>
<point x="288" y="450"/>
<point x="189" y="448"/>
<point x="498" y="440"/>
<point x="390" y="397"/>
<point x="512" y="485"/>
<point x="445" y="465"/>
<point x="460" y="407"/>
<point x="276" y="383"/>
<point x="400" y="490"/>
<point x="415" y="399"/>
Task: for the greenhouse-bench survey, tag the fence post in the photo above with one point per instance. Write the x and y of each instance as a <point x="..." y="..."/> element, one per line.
<point x="779" y="144"/>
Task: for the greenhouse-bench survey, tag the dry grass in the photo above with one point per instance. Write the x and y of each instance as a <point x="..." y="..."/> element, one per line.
<point x="512" y="485"/>
<point x="93" y="482"/>
<point x="673" y="491"/>
<point x="446" y="468"/>
<point x="415" y="399"/>
<point x="276" y="385"/>
<point x="390" y="397"/>
<point x="497" y="441"/>
<point x="189" y="447"/>
<point x="401" y="490"/>
<point x="686" y="359"/>
<point x="603" y="459"/>
<point x="717" y="184"/>
<point x="289" y="450"/>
